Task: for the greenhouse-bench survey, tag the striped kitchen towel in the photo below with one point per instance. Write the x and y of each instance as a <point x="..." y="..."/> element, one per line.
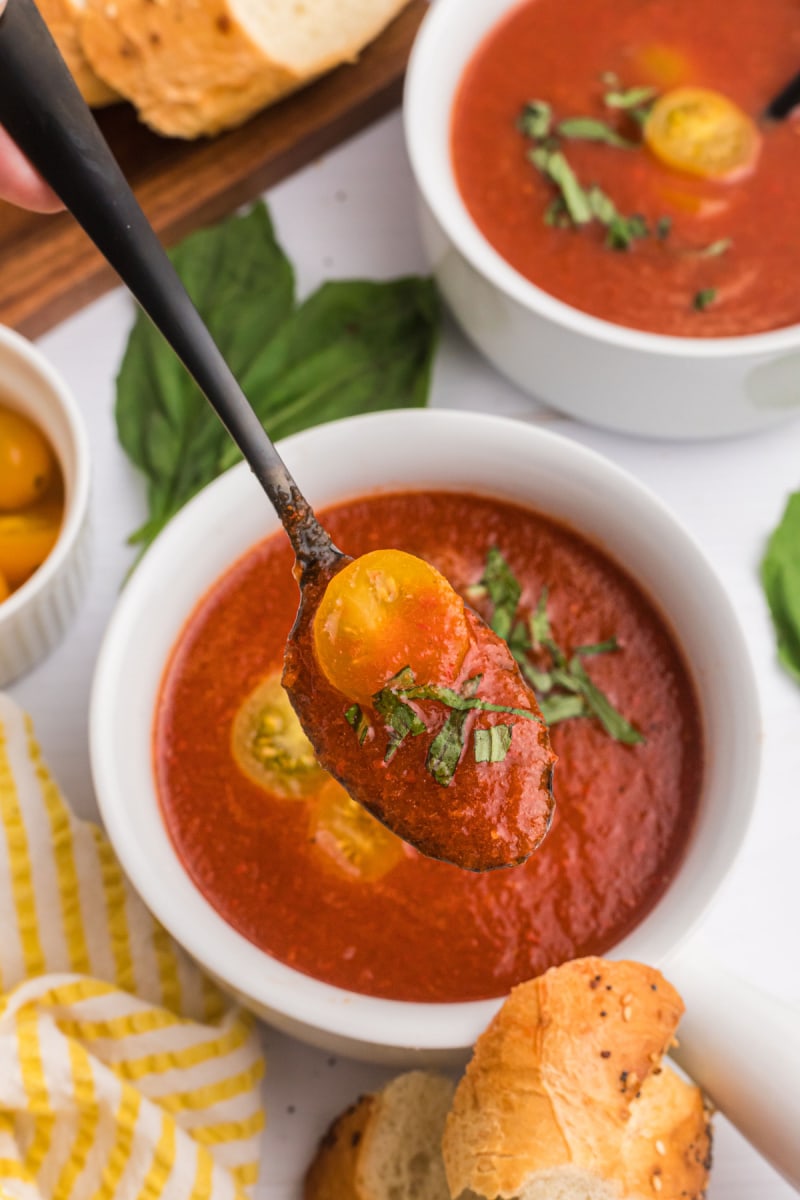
<point x="124" y="1071"/>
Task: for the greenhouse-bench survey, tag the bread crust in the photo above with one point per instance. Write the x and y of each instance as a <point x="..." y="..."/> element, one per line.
<point x="554" y="1079"/>
<point x="193" y="68"/>
<point x="332" y="1173"/>
<point x="62" y="18"/>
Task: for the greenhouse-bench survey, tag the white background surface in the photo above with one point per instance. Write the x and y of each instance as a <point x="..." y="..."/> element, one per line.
<point x="353" y="215"/>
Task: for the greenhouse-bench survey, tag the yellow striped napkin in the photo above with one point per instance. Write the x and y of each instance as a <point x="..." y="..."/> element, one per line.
<point x="124" y="1071"/>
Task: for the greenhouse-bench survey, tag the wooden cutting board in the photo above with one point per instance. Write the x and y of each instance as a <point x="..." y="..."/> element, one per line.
<point x="48" y="267"/>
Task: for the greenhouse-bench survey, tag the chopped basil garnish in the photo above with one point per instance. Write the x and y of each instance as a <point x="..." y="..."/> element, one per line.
<point x="704" y="298"/>
<point x="589" y="129"/>
<point x="355" y="717"/>
<point x="500" y="584"/>
<point x="624" y="230"/>
<point x="536" y="120"/>
<point x="663" y="227"/>
<point x="563" y="687"/>
<point x="635" y="102"/>
<point x="492" y="745"/>
<point x="716" y="248"/>
<point x="393" y="705"/>
<point x="554" y="165"/>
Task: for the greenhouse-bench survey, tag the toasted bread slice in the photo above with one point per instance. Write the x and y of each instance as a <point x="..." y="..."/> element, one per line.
<point x="195" y="68"/>
<point x="388" y="1146"/>
<point x="62" y="17"/>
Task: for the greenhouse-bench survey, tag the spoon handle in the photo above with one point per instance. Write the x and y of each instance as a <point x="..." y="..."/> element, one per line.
<point x="46" y="115"/>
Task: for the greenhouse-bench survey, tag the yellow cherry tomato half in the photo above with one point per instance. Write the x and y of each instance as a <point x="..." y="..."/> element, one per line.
<point x="349" y="838"/>
<point x="384" y="611"/>
<point x="26" y="461"/>
<point x="26" y="539"/>
<point x="269" y="745"/>
<point x="701" y="132"/>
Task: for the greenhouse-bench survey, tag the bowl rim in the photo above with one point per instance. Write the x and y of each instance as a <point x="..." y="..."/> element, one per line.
<point x="392" y="1025"/>
<point x="438" y="187"/>
<point x="77" y="499"/>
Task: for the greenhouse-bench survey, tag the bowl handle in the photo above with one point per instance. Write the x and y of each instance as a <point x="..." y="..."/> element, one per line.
<point x="743" y="1048"/>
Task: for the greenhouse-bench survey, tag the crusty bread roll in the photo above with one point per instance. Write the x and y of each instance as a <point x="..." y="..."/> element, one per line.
<point x="62" y="17"/>
<point x="194" y="67"/>
<point x="566" y="1097"/>
<point x="388" y="1146"/>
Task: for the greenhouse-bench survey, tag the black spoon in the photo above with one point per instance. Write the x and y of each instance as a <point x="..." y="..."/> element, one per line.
<point x="782" y="104"/>
<point x="44" y="113"/>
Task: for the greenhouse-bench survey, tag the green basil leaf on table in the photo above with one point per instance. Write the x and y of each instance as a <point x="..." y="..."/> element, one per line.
<point x="352" y="347"/>
<point x="780" y="576"/>
<point x="243" y="286"/>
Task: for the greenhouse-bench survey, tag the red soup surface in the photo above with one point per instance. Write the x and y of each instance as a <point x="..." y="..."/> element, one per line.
<point x="720" y="256"/>
<point x="336" y="896"/>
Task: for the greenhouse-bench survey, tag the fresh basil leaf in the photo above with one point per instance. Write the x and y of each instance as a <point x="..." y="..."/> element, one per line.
<point x="400" y="719"/>
<point x="558" y="707"/>
<point x="622" y="231"/>
<point x="602" y="206"/>
<point x="444" y="752"/>
<point x="608" y="646"/>
<point x="536" y="120"/>
<point x="355" y="717"/>
<point x="589" y="129"/>
<point x="243" y="286"/>
<point x="634" y="97"/>
<point x="354" y="346"/>
<point x="554" y="165"/>
<point x="492" y="744"/>
<point x="600" y="706"/>
<point x="780" y="578"/>
<point x="704" y="298"/>
<point x="463" y="703"/>
<point x="503" y="590"/>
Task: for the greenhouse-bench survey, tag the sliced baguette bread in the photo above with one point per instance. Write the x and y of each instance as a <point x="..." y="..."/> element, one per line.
<point x="388" y="1146"/>
<point x="62" y="18"/>
<point x="566" y="1098"/>
<point x="194" y="67"/>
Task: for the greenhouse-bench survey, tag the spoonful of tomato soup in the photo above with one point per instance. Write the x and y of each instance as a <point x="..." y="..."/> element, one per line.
<point x="408" y="699"/>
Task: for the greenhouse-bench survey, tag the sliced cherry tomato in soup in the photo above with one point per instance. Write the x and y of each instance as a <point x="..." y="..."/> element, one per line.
<point x="349" y="838"/>
<point x="701" y="132"/>
<point x="269" y="745"/>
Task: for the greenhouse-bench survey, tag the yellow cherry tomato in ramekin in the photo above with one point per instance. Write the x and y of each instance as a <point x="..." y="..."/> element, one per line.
<point x="26" y="461"/>
<point x="5" y="588"/>
<point x="26" y="539"/>
<point x="702" y="132"/>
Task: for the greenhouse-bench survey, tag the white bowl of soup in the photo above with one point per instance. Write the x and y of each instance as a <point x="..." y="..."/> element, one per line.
<point x="314" y="915"/>
<point x="621" y="287"/>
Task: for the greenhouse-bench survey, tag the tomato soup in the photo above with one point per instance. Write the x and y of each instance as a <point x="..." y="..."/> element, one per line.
<point x="699" y="256"/>
<point x="335" y="895"/>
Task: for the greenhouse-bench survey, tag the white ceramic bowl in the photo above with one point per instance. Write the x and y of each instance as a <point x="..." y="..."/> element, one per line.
<point x="411" y="449"/>
<point x="35" y="616"/>
<point x="624" y="379"/>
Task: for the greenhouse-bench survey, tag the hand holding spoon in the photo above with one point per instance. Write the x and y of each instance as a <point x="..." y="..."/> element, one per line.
<point x="387" y="639"/>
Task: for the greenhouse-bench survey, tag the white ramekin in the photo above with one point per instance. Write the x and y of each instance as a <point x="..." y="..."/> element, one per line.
<point x="606" y="374"/>
<point x="35" y="616"/>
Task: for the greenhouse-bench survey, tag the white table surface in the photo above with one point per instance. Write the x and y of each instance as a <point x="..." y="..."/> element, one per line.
<point x="352" y="214"/>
